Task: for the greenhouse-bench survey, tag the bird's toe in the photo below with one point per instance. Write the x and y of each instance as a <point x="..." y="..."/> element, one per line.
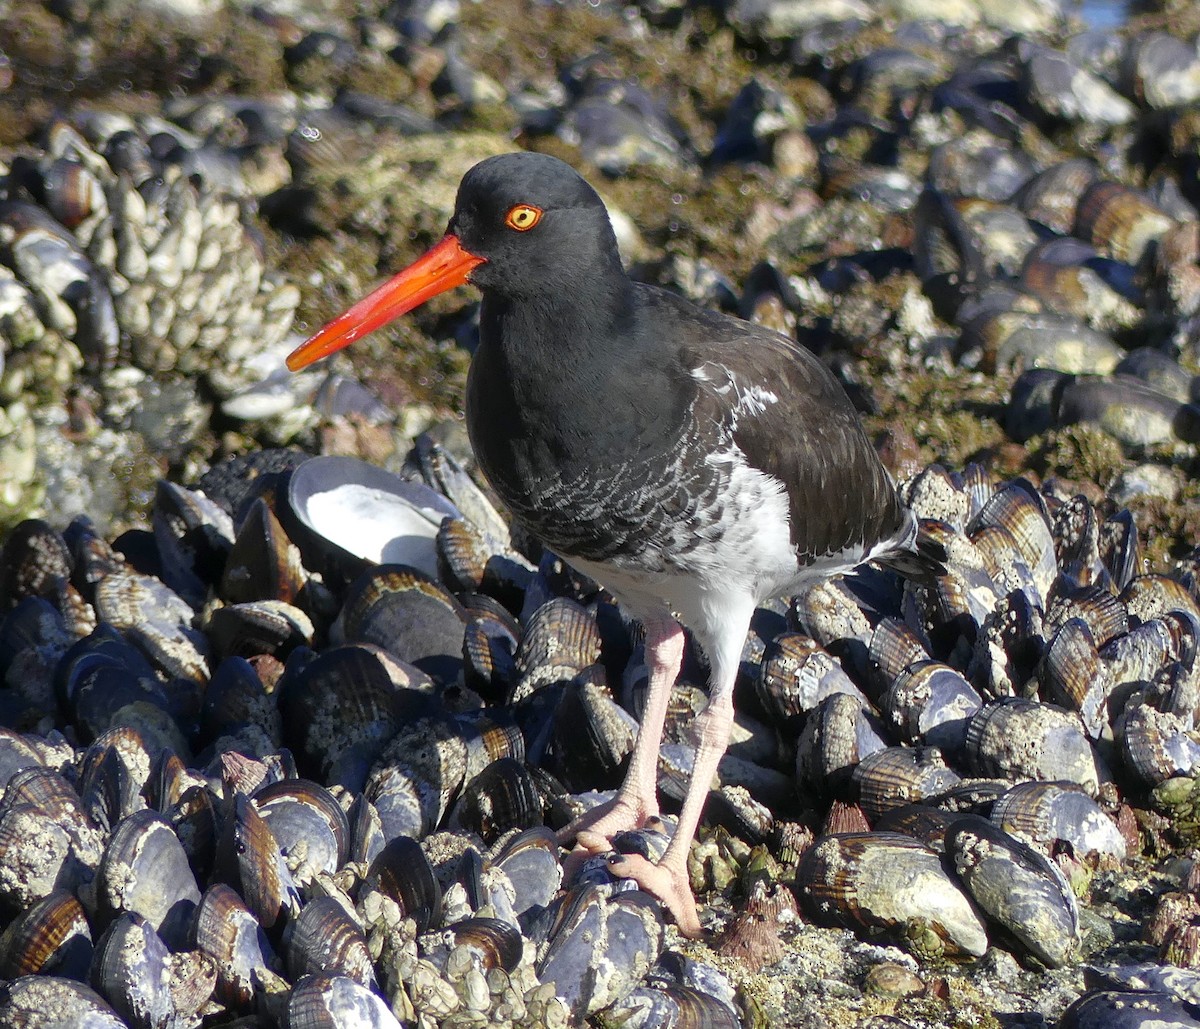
<point x="668" y="884"/>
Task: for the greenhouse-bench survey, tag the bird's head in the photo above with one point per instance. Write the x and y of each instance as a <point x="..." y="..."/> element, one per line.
<point x="523" y="223"/>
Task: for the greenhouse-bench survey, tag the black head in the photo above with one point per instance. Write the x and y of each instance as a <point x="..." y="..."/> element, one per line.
<point x="525" y="226"/>
<point x="535" y="222"/>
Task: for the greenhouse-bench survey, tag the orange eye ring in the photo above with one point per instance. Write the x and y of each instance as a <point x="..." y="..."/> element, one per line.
<point x="523" y="217"/>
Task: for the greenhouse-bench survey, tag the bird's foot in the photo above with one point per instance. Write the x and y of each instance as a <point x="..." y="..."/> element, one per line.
<point x="607" y="819"/>
<point x="666" y="882"/>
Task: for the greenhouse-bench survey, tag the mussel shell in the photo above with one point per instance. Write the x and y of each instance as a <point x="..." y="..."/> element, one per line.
<point x="501" y="797"/>
<point x="145" y="871"/>
<point x="402" y="872"/>
<point x="599" y="948"/>
<point x="249" y="860"/>
<point x="305" y="817"/>
<point x="1049" y="814"/>
<point x="341" y="707"/>
<point x="1120" y="221"/>
<point x="49" y="937"/>
<point x="130" y="969"/>
<point x="670" y="1004"/>
<point x="1127" y="1009"/>
<point x="593" y="737"/>
<point x="1019" y="509"/>
<point x="1022" y="739"/>
<point x="797" y="673"/>
<point x="920" y="821"/>
<point x="363" y="514"/>
<point x="561" y="640"/>
<point x="883" y="882"/>
<point x="228" y="932"/>
<point x="1074" y="676"/>
<point x="324" y="938"/>
<point x="263" y="563"/>
<point x="1019" y="888"/>
<point x="53" y="1002"/>
<point x="258" y="627"/>
<point x="34" y="562"/>
<point x="894" y="646"/>
<point x="930" y="703"/>
<point x="530" y="862"/>
<point x="837" y="735"/>
<point x="897" y="776"/>
<point x="333" y="1001"/>
<point x="408" y="614"/>
<point x="236" y="698"/>
<point x="493" y="942"/>
<point x="1157" y="745"/>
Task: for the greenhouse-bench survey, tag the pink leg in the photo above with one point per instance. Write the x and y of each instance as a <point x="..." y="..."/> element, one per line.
<point x="668" y="880"/>
<point x="637" y="801"/>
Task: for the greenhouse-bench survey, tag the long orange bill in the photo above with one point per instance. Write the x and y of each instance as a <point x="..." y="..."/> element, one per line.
<point x="441" y="268"/>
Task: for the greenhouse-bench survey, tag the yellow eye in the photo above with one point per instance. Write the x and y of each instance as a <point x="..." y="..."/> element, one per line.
<point x="523" y="217"/>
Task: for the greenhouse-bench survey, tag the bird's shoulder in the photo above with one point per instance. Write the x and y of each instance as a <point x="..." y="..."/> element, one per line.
<point x="745" y="375"/>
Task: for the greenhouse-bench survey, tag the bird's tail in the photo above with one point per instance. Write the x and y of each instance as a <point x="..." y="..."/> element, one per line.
<point x="921" y="558"/>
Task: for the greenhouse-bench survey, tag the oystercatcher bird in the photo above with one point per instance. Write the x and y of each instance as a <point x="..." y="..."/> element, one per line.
<point x="692" y="463"/>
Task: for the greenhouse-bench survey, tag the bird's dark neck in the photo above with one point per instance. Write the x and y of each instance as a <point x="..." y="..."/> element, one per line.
<point x="563" y="382"/>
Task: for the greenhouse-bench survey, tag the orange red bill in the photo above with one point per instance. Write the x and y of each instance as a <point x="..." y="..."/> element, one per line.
<point x="440" y="268"/>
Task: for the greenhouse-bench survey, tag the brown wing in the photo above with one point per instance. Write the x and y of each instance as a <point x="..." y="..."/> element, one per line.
<point x="793" y="421"/>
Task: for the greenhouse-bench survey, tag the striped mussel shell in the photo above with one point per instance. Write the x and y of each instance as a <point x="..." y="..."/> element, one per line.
<point x="894" y="646"/>
<point x="797" y="673"/>
<point x="490" y="644"/>
<point x="1022" y="739"/>
<point x="896" y="776"/>
<point x="226" y="930"/>
<point x="249" y="859"/>
<point x="325" y="938"/>
<point x="1020" y="511"/>
<point x="1153" y="595"/>
<point x="469" y="560"/>
<point x="342" y="706"/>
<point x="50" y="937"/>
<point x="502" y="797"/>
<point x="1051" y="814"/>
<point x="1074" y="676"/>
<point x="920" y="821"/>
<point x="561" y="640"/>
<point x="263" y="563"/>
<point x="409" y="614"/>
<point x="1156" y="745"/>
<point x="1017" y="887"/>
<point x="1105" y="616"/>
<point x="929" y="703"/>
<point x="1150" y="646"/>
<point x="475" y="943"/>
<point x="1120" y="221"/>
<point x="890" y="883"/>
<point x="837" y="735"/>
<point x="402" y="873"/>
<point x="319" y="1000"/>
<point x="1069" y="277"/>
<point x="308" y="825"/>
